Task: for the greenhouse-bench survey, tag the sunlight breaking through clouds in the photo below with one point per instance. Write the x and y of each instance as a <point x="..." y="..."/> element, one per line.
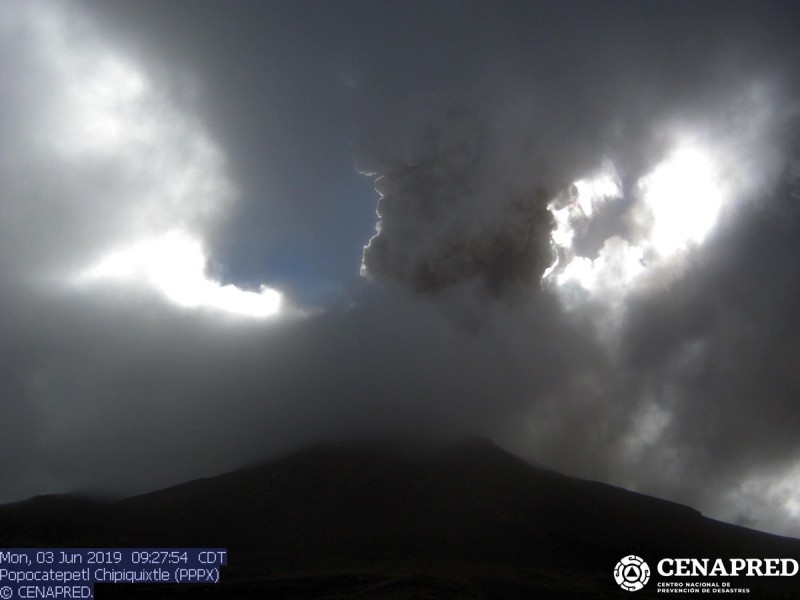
<point x="175" y="265"/>
<point x="675" y="207"/>
<point x="161" y="183"/>
<point x="683" y="198"/>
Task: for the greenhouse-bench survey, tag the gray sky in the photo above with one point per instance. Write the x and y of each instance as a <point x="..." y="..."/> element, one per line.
<point x="586" y="245"/>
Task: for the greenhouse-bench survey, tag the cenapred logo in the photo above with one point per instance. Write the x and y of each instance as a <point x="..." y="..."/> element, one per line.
<point x="632" y="573"/>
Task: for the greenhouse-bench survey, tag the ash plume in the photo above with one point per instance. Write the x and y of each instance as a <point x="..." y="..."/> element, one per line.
<point x="446" y="220"/>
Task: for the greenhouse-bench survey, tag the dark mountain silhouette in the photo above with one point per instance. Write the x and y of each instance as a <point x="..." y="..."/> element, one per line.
<point x="384" y="520"/>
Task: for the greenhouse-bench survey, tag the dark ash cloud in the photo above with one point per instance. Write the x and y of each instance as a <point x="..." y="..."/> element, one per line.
<point x="443" y="222"/>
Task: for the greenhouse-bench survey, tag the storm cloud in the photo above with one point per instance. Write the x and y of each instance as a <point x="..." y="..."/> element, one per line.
<point x="586" y="239"/>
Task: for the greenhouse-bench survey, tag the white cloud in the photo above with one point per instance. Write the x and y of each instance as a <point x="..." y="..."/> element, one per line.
<point x="175" y="265"/>
<point x="771" y="501"/>
<point x="134" y="185"/>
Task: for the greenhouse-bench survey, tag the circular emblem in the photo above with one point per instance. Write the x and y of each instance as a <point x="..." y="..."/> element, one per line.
<point x="632" y="573"/>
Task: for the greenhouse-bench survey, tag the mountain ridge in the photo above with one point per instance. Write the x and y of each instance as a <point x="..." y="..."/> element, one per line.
<point x="403" y="520"/>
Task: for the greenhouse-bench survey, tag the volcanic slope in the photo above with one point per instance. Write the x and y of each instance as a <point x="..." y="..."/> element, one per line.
<point x="380" y="520"/>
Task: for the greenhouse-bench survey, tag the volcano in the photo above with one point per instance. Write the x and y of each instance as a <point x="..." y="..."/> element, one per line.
<point x="380" y="520"/>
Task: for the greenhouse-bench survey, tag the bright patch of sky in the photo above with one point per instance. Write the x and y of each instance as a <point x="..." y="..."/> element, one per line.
<point x="172" y="182"/>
